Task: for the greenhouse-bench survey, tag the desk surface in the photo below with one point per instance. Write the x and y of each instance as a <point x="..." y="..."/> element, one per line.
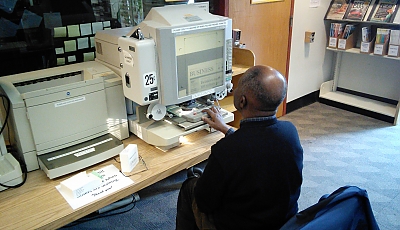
<point x="38" y="205"/>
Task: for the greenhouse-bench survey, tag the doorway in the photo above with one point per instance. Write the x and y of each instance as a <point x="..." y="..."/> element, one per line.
<point x="266" y="30"/>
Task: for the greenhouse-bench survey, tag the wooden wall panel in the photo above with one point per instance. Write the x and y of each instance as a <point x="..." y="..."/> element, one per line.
<point x="265" y="31"/>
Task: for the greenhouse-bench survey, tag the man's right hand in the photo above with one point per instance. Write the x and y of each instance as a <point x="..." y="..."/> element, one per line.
<point x="215" y="120"/>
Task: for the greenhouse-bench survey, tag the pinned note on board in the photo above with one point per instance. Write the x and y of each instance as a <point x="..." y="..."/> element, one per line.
<point x="60" y="32"/>
<point x="73" y="31"/>
<point x="70" y="46"/>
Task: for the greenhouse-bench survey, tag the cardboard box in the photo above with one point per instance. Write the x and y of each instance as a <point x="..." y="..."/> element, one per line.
<point x="345" y="44"/>
<point x="333" y="42"/>
<point x="380" y="49"/>
<point x="393" y="50"/>
<point x="366" y="47"/>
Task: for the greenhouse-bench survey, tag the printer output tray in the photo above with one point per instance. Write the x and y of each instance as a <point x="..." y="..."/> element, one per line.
<point x="74" y="158"/>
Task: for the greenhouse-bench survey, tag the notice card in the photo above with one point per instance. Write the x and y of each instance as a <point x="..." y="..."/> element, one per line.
<point x="112" y="181"/>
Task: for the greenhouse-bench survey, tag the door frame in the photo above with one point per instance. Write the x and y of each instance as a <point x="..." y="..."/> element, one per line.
<point x="221" y="7"/>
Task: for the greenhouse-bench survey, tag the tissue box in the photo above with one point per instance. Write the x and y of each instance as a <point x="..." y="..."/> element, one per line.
<point x="129" y="158"/>
<point x="80" y="184"/>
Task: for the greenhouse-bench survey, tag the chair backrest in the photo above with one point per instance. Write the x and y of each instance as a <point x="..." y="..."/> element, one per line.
<point x="346" y="208"/>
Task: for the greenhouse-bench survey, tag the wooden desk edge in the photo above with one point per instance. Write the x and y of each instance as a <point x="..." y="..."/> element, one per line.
<point x="90" y="208"/>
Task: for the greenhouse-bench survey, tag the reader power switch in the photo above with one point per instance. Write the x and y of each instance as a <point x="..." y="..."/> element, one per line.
<point x="127" y="80"/>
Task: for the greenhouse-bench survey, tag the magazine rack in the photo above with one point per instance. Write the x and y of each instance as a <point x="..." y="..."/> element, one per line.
<point x="355" y="87"/>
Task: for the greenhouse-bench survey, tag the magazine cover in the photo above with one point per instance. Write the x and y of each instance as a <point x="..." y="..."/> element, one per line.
<point x="384" y="11"/>
<point x="337" y="9"/>
<point x="357" y="9"/>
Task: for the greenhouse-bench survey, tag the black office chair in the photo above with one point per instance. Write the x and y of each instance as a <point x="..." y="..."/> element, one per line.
<point x="346" y="208"/>
<point x="194" y="172"/>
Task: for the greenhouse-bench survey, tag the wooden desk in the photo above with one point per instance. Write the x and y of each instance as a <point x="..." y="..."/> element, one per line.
<point x="38" y="205"/>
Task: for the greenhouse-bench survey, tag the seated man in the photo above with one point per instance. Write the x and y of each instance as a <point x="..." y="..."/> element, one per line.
<point x="253" y="176"/>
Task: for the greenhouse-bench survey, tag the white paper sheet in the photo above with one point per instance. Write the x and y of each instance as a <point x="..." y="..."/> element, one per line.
<point x="113" y="180"/>
<point x="315" y="3"/>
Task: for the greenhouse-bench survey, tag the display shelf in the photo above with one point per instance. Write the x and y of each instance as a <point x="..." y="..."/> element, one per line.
<point x="242" y="60"/>
<point x="364" y="22"/>
<point x="227" y="104"/>
<point x="369" y="94"/>
<point x="357" y="51"/>
<point x="359" y="102"/>
<point x="327" y="92"/>
<point x="239" y="69"/>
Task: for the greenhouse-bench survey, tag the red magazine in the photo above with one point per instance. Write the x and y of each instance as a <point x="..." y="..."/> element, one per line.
<point x="337" y="9"/>
<point x="357" y="9"/>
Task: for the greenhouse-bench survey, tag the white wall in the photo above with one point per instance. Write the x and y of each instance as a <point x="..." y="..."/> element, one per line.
<point x="309" y="66"/>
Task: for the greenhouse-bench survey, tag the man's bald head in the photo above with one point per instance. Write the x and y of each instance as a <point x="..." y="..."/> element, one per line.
<point x="260" y="91"/>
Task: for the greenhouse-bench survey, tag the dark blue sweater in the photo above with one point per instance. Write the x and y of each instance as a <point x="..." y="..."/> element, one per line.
<point x="253" y="177"/>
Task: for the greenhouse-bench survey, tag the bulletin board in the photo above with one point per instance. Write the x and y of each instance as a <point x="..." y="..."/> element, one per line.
<point x="264" y="1"/>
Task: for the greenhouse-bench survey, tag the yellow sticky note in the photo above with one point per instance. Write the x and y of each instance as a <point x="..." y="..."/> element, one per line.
<point x="73" y="31"/>
<point x="60" y="32"/>
<point x="88" y="56"/>
<point x="60" y="61"/>
<point x="70" y="46"/>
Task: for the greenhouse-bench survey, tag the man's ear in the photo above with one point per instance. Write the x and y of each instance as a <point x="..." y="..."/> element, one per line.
<point x="243" y="102"/>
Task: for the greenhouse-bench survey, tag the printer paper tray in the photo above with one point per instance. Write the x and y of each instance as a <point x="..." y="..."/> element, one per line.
<point x="74" y="158"/>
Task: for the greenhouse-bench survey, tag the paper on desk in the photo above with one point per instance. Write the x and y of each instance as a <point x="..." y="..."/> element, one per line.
<point x="113" y="180"/>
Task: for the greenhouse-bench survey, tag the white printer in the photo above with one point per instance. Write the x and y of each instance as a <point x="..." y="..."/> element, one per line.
<point x="66" y="118"/>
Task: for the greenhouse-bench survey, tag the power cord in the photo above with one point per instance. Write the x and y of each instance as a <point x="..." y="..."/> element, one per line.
<point x="7" y="111"/>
